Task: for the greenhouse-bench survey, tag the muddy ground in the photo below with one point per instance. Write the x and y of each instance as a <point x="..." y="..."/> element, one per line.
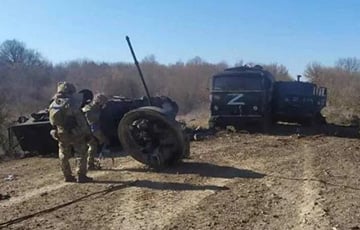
<point x="232" y="181"/>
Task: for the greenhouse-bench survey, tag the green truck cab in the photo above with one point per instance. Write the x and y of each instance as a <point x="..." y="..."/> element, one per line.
<point x="240" y="96"/>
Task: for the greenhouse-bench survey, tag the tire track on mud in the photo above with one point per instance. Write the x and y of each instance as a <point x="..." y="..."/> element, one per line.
<point x="141" y="206"/>
<point x="33" y="193"/>
<point x="149" y="209"/>
<point x="311" y="212"/>
<point x="50" y="188"/>
<point x="146" y="208"/>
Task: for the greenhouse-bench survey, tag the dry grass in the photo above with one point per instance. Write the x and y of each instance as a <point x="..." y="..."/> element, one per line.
<point x="343" y="93"/>
<point x="342" y="115"/>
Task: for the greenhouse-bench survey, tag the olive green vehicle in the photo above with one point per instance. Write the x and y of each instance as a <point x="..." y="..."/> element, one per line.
<point x="241" y="96"/>
<point x="299" y="102"/>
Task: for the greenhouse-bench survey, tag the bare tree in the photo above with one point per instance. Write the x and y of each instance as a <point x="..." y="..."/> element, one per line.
<point x="350" y="64"/>
<point x="313" y="71"/>
<point x="280" y="72"/>
<point x="149" y="59"/>
<point x="14" y="52"/>
<point x="195" y="61"/>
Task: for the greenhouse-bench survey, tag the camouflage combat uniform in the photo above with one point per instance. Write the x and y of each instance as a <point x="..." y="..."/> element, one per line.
<point x="71" y="138"/>
<point x="92" y="114"/>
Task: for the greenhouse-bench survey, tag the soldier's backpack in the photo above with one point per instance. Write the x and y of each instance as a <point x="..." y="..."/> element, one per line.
<point x="60" y="114"/>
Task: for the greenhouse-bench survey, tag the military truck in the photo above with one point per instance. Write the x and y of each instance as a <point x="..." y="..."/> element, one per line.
<point x="298" y="102"/>
<point x="240" y="96"/>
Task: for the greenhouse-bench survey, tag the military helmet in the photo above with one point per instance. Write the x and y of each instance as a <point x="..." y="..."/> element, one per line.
<point x="100" y="99"/>
<point x="66" y="88"/>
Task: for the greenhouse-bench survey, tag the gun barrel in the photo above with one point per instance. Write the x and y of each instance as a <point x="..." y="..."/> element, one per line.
<point x="139" y="70"/>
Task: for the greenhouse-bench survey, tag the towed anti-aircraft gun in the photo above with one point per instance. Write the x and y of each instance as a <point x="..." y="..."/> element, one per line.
<point x="151" y="134"/>
<point x="145" y="128"/>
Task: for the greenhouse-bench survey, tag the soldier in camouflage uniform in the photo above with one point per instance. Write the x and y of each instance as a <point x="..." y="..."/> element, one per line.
<point x="72" y="133"/>
<point x="92" y="114"/>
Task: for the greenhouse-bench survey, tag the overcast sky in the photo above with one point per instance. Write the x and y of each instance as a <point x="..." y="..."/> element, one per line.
<point x="292" y="33"/>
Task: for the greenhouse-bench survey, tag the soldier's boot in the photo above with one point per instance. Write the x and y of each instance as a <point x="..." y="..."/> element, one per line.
<point x="70" y="178"/>
<point x="65" y="165"/>
<point x="84" y="179"/>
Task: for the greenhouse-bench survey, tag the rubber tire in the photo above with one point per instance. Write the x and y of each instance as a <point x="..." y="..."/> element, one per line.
<point x="131" y="147"/>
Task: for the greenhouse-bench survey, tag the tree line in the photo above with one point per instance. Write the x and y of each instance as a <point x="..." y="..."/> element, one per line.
<point x="27" y="80"/>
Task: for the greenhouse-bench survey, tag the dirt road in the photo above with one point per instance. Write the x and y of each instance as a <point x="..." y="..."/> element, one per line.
<point x="232" y="181"/>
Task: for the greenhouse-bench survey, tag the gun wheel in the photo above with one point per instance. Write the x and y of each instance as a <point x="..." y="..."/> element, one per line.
<point x="151" y="137"/>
